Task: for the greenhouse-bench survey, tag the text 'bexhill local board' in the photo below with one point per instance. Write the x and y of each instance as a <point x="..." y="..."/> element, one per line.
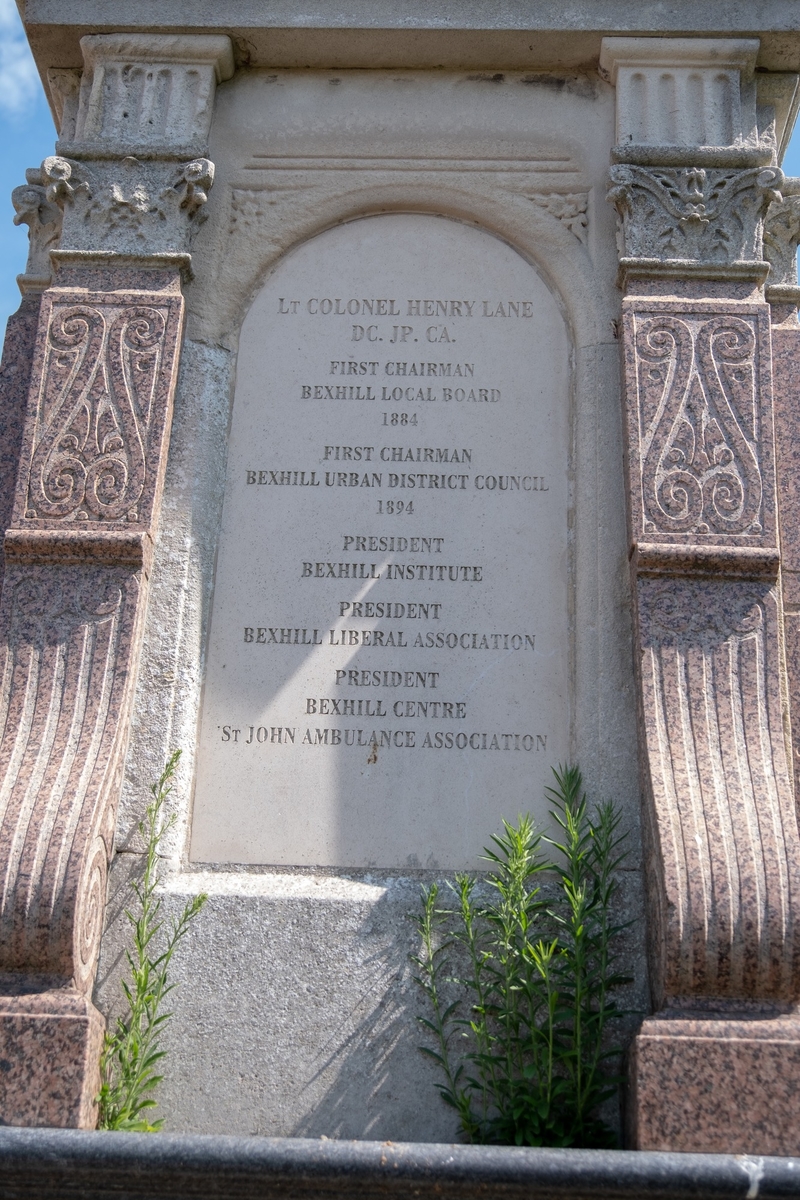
<point x="387" y="670"/>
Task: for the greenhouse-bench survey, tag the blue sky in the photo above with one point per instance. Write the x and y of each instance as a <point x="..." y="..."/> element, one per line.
<point x="27" y="135"/>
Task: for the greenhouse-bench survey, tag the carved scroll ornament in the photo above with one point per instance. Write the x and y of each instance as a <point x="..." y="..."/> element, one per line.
<point x="724" y="849"/>
<point x="699" y="413"/>
<point x="43" y="219"/>
<point x="129" y="206"/>
<point x="700" y="471"/>
<point x="97" y="414"/>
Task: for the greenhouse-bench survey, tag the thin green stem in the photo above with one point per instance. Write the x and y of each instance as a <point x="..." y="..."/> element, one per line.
<point x="133" y="1049"/>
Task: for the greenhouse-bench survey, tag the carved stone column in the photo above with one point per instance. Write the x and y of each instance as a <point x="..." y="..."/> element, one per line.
<point x="781" y="235"/>
<point x="131" y="179"/>
<point x="717" y="1068"/>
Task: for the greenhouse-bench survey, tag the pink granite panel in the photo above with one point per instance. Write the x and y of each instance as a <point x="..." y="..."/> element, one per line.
<point x="786" y="387"/>
<point x="50" y="1046"/>
<point x="69" y="639"/>
<point x="717" y="1086"/>
<point x="699" y="412"/>
<point x="88" y="491"/>
<point x="727" y="867"/>
<point x="99" y="409"/>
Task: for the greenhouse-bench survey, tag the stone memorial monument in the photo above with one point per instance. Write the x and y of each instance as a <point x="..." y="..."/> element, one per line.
<point x="401" y="403"/>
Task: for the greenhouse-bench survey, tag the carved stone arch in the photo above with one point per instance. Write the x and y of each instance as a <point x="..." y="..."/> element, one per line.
<point x="518" y="216"/>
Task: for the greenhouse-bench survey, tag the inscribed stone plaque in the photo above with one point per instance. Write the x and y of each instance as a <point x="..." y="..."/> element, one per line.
<point x="387" y="673"/>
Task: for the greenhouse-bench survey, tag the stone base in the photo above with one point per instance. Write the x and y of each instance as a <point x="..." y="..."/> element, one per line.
<point x="50" y="1046"/>
<point x="725" y="1085"/>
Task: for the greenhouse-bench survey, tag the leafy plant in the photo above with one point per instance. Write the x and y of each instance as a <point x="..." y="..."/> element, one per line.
<point x="130" y="1054"/>
<point x="519" y="979"/>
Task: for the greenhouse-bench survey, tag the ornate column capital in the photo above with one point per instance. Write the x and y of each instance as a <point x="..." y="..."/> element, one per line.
<point x="690" y="221"/>
<point x="126" y="209"/>
<point x="698" y="134"/>
<point x="147" y="95"/>
<point x="131" y="173"/>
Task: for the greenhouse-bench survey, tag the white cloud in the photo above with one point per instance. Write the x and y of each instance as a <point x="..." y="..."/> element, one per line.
<point x="19" y="79"/>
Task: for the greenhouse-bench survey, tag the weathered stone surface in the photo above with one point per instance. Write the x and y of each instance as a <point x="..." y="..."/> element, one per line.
<point x="15" y="377"/>
<point x="390" y="636"/>
<point x="693" y="214"/>
<point x="148" y="93"/>
<point x="50" y="1046"/>
<point x="525" y="156"/>
<point x="781" y="235"/>
<point x="682" y="92"/>
<point x="785" y="351"/>
<point x="43" y="218"/>
<point x="130" y="207"/>
<point x="373" y="34"/>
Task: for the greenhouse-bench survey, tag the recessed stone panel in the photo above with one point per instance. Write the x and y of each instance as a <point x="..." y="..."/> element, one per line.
<point x="387" y="674"/>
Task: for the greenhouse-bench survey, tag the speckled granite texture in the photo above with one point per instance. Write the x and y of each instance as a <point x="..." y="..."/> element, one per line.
<point x="705" y="1084"/>
<point x="92" y="458"/>
<point x="15" y="375"/>
<point x="721" y="826"/>
<point x="88" y="491"/>
<point x="50" y="1046"/>
<point x="786" y="386"/>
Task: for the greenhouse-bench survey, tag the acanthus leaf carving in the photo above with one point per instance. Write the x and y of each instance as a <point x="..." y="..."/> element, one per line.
<point x="781" y="237"/>
<point x="697" y="398"/>
<point x="693" y="214"/>
<point x="35" y="209"/>
<point x="570" y="208"/>
<point x="128" y="206"/>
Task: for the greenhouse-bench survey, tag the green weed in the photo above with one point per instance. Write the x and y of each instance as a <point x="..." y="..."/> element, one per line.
<point x="132" y="1052"/>
<point x="519" y="981"/>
